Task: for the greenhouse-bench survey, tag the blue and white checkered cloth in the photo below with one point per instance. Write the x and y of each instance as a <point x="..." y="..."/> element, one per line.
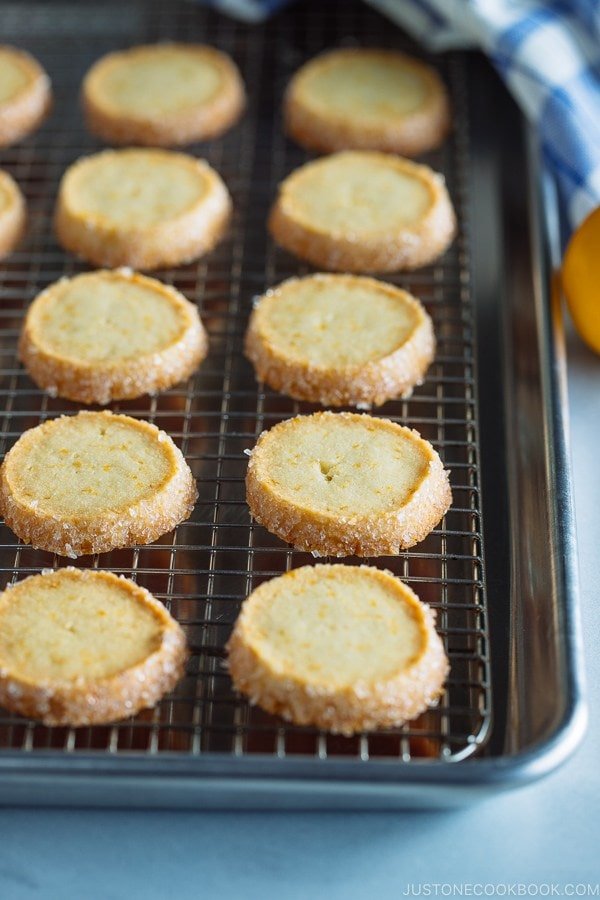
<point x="547" y="52"/>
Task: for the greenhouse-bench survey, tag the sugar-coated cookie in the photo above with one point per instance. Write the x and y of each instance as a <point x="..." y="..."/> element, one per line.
<point x="346" y="484"/>
<point x="94" y="482"/>
<point x="82" y="647"/>
<point x="141" y="208"/>
<point x="162" y="95"/>
<point x="110" y="335"/>
<point x="13" y="214"/>
<point x="340" y="340"/>
<point x="344" y="648"/>
<point x="25" y="94"/>
<point x="367" y="99"/>
<point x="361" y="211"/>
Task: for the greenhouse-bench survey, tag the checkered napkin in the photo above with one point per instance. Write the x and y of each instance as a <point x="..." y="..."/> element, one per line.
<point x="547" y="52"/>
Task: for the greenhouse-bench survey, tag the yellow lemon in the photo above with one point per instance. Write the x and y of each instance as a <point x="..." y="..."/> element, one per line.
<point x="581" y="279"/>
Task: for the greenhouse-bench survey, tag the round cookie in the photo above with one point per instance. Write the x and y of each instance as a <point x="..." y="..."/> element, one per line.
<point x="94" y="482"/>
<point x="110" y="335"/>
<point x="25" y="94"/>
<point x="162" y="95"/>
<point x="141" y="208"/>
<point x="363" y="212"/>
<point x="367" y="99"/>
<point x="346" y="484"/>
<point x="82" y="647"/>
<point x="13" y="214"/>
<point x="340" y="340"/>
<point x="344" y="648"/>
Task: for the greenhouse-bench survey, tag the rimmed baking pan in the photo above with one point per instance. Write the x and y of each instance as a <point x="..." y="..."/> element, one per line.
<point x="500" y="569"/>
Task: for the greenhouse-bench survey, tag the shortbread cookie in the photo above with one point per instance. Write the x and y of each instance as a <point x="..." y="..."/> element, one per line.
<point x="25" y="95"/>
<point x="13" y="214"/>
<point x="105" y="336"/>
<point x="345" y="648"/>
<point x="340" y="340"/>
<point x="94" y="482"/>
<point x="162" y="95"/>
<point x="82" y="647"/>
<point x="365" y="99"/>
<point x="346" y="484"/>
<point x="362" y="212"/>
<point x="141" y="208"/>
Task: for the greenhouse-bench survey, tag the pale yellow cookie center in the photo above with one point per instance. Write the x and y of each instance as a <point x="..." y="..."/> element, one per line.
<point x="87" y="465"/>
<point x="98" y="318"/>
<point x="335" y="323"/>
<point x="374" y="89"/>
<point x="13" y="77"/>
<point x="57" y="629"/>
<point x="324" y="629"/>
<point x="356" y="195"/>
<point x="342" y="467"/>
<point x="158" y="81"/>
<point x="134" y="189"/>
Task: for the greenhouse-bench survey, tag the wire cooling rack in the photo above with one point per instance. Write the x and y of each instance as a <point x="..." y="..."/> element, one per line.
<point x="204" y="569"/>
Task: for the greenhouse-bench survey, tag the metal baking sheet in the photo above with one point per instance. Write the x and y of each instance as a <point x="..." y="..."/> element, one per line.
<point x="499" y="568"/>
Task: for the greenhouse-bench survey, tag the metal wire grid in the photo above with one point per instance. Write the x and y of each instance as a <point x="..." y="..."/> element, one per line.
<point x="206" y="567"/>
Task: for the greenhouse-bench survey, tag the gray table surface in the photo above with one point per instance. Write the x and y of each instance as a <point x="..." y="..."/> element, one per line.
<point x="545" y="835"/>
